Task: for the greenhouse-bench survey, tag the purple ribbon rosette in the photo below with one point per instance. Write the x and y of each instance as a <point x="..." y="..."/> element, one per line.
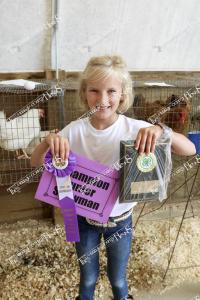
<point x="62" y="170"/>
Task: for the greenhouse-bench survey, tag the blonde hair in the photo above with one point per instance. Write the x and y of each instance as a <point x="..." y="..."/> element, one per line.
<point x="101" y="67"/>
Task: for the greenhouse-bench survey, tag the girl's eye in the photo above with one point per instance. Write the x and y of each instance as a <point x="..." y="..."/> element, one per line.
<point x="111" y="91"/>
<point x="93" y="90"/>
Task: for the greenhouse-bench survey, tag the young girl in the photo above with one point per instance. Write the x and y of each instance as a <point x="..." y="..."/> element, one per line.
<point x="106" y="90"/>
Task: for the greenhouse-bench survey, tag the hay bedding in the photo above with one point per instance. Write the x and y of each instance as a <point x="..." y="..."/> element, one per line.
<point x="50" y="269"/>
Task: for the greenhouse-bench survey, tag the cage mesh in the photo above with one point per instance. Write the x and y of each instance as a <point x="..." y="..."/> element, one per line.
<point x="20" y="135"/>
<point x="178" y="105"/>
<point x="21" y="132"/>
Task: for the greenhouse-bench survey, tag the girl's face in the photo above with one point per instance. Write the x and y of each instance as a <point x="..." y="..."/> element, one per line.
<point x="105" y="96"/>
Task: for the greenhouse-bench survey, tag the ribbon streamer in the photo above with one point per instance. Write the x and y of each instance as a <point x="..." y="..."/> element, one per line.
<point x="62" y="170"/>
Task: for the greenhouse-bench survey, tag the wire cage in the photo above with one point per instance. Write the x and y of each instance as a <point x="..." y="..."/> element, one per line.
<point x="175" y="103"/>
<point x="28" y="116"/>
<point x="21" y="130"/>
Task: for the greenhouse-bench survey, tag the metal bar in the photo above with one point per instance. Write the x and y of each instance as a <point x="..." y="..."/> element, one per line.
<point x="179" y="229"/>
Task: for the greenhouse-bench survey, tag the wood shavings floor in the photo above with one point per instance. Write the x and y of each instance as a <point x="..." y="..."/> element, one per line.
<point x="48" y="268"/>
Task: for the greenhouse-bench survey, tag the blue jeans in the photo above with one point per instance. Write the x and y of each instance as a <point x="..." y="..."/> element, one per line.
<point x="118" y="249"/>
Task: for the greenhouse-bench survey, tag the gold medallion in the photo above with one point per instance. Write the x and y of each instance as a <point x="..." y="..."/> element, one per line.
<point x="59" y="163"/>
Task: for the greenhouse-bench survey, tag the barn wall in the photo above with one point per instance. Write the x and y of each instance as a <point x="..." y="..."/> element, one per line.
<point x="150" y="34"/>
<point x="25" y="35"/>
<point x="158" y="35"/>
<point x="23" y="205"/>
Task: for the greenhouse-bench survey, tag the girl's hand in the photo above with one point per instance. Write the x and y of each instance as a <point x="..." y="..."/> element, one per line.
<point x="59" y="145"/>
<point x="146" y="139"/>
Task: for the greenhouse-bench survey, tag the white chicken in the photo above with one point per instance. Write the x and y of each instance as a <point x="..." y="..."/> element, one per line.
<point x="17" y="133"/>
<point x="37" y="140"/>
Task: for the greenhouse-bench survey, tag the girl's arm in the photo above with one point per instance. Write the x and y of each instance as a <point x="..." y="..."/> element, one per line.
<point x="58" y="145"/>
<point x="182" y="145"/>
<point x="147" y="137"/>
<point x="37" y="157"/>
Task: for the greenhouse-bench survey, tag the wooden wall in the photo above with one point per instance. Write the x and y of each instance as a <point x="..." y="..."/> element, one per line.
<point x="22" y="205"/>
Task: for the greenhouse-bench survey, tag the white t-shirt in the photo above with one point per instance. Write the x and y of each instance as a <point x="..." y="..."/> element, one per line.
<point x="103" y="145"/>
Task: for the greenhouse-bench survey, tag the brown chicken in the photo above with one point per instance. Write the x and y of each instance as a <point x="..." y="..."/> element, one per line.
<point x="142" y="109"/>
<point x="174" y="112"/>
<point x="178" y="116"/>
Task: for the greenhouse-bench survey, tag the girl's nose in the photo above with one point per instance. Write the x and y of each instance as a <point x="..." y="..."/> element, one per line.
<point x="104" y="99"/>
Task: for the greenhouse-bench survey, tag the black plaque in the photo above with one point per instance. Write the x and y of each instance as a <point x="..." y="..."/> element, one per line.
<point x="141" y="179"/>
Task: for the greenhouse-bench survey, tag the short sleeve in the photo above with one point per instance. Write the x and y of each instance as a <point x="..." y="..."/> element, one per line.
<point x="65" y="132"/>
<point x="144" y="124"/>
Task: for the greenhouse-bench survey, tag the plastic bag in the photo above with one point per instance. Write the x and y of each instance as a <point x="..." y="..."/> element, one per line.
<point x="145" y="177"/>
